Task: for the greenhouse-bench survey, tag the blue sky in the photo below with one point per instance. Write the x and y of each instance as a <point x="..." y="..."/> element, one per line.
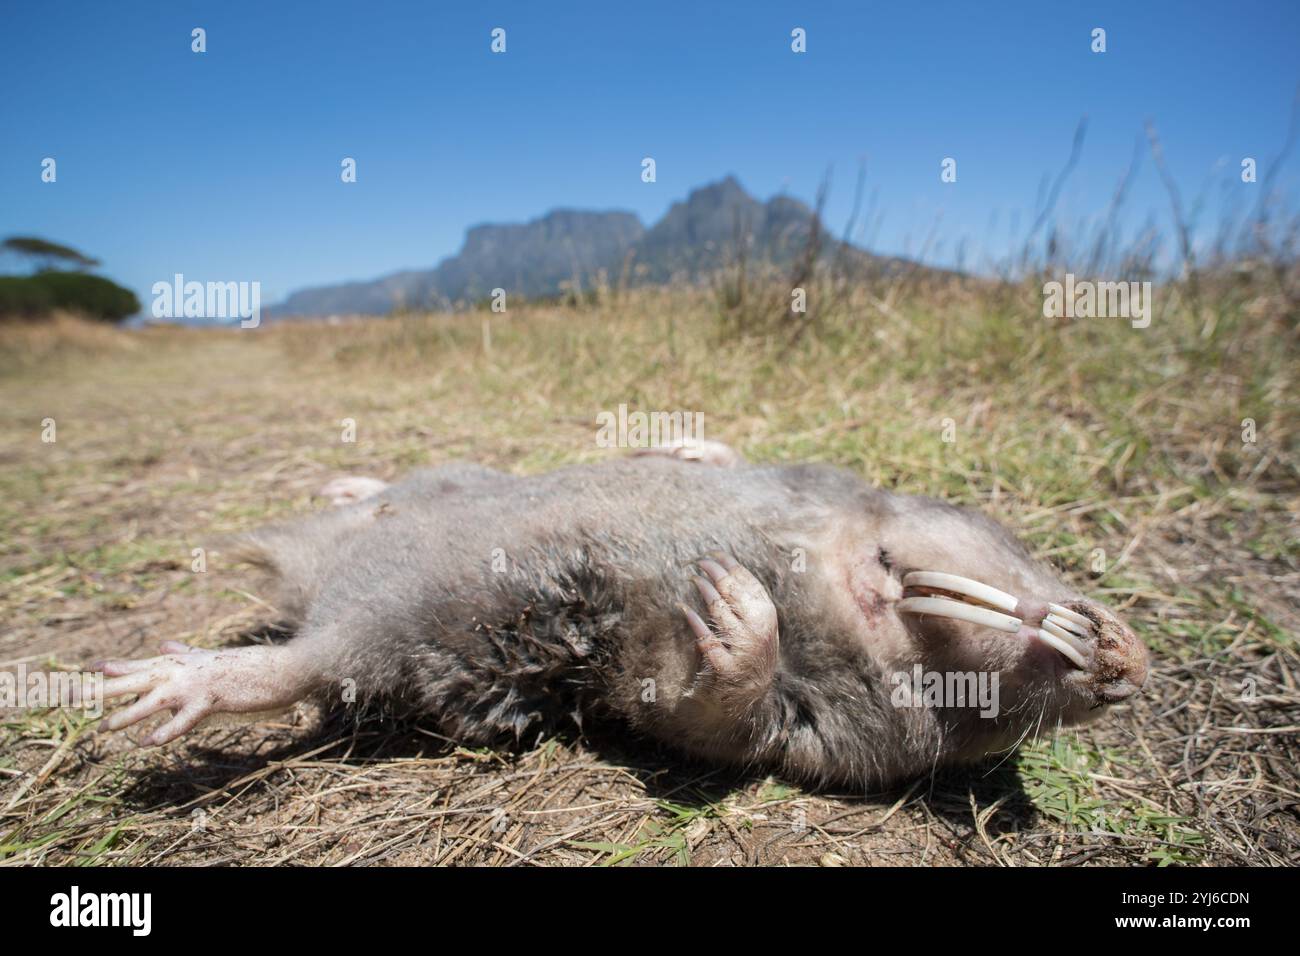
<point x="225" y="165"/>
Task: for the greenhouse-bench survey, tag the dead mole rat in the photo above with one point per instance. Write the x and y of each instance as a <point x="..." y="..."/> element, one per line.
<point x="785" y="618"/>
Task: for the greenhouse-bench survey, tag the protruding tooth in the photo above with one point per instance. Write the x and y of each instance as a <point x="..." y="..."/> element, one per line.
<point x="1065" y="648"/>
<point x="1066" y="625"/>
<point x="943" y="607"/>
<point x="1069" y="615"/>
<point x="1059" y="632"/>
<point x="960" y="585"/>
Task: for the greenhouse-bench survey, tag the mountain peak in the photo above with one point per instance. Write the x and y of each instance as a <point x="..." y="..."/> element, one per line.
<point x="727" y="188"/>
<point x="539" y="257"/>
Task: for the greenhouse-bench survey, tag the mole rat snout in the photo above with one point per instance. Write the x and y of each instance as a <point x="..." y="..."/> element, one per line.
<point x="1119" y="657"/>
<point x="1105" y="658"/>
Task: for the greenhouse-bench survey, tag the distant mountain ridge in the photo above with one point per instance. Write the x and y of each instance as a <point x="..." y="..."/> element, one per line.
<point x="533" y="259"/>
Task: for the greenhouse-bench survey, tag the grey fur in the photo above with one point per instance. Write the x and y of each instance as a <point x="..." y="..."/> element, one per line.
<point x="398" y="596"/>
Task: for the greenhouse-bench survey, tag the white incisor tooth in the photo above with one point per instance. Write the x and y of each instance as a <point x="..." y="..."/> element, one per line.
<point x="1061" y="634"/>
<point x="943" y="607"/>
<point x="960" y="585"/>
<point x="1069" y="615"/>
<point x="1066" y="625"/>
<point x="1068" y="650"/>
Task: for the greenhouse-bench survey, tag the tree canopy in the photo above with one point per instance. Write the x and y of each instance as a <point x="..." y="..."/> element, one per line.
<point x="47" y="253"/>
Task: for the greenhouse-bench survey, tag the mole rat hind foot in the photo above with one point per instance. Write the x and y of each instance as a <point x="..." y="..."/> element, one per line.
<point x="426" y="483"/>
<point x="702" y="450"/>
<point x="192" y="684"/>
<point x="342" y="492"/>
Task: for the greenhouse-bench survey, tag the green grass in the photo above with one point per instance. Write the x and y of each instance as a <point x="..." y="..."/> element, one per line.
<point x="1081" y="436"/>
<point x="1058" y="776"/>
<point x="667" y="836"/>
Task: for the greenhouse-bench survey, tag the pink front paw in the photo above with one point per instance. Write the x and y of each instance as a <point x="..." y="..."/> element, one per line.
<point x="740" y="644"/>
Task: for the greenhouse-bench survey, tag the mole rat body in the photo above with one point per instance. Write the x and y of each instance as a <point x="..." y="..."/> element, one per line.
<point x="784" y="617"/>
